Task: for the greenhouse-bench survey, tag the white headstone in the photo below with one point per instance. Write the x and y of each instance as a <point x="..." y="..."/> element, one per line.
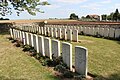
<point x="37" y="45"/>
<point x="67" y="54"/>
<point x="41" y="45"/>
<point x="51" y="32"/>
<point x="42" y="31"/>
<point x="34" y="42"/>
<point x="30" y="41"/>
<point x="55" y="32"/>
<point x="27" y="37"/>
<point x="111" y="33"/>
<point x="24" y="38"/>
<point x="81" y="60"/>
<point x="11" y="32"/>
<point x="39" y="30"/>
<point x="69" y="35"/>
<point x="45" y="31"/>
<point x="84" y="30"/>
<point x="92" y="31"/>
<point x="48" y="31"/>
<point x="47" y="47"/>
<point x="117" y="33"/>
<point x="75" y="35"/>
<point x="101" y="32"/>
<point x="64" y="35"/>
<point x="59" y="33"/>
<point x="20" y="35"/>
<point x="96" y="31"/>
<point x="106" y="32"/>
<point x="56" y="48"/>
<point x="17" y="31"/>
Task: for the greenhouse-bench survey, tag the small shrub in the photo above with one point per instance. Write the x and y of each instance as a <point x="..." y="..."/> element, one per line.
<point x="10" y="38"/>
<point x="47" y="62"/>
<point x="13" y="41"/>
<point x="64" y="65"/>
<point x="33" y="54"/>
<point x="60" y="68"/>
<point x="37" y="56"/>
<point x="68" y="74"/>
<point x="57" y="61"/>
<point x="17" y="45"/>
<point x="26" y="48"/>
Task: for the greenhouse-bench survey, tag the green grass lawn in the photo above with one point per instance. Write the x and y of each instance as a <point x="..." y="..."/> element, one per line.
<point x="103" y="60"/>
<point x="16" y="65"/>
<point x="103" y="56"/>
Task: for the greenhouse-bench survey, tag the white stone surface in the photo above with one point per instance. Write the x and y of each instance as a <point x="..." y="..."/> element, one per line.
<point x="51" y="32"/>
<point x="56" y="48"/>
<point x="48" y="31"/>
<point x="117" y="33"/>
<point x="96" y="31"/>
<point x="47" y="47"/>
<point x="67" y="54"/>
<point x="84" y="30"/>
<point x="42" y="31"/>
<point x="101" y="32"/>
<point x="24" y="38"/>
<point x="27" y="38"/>
<point x="34" y="42"/>
<point x="21" y="36"/>
<point x="11" y="32"/>
<point x="92" y="31"/>
<point x="17" y="34"/>
<point x="37" y="45"/>
<point x="39" y="30"/>
<point x="106" y="32"/>
<point x="41" y="45"/>
<point x="59" y="33"/>
<point x="64" y="35"/>
<point x="111" y="33"/>
<point x="55" y="33"/>
<point x="87" y="30"/>
<point x="45" y="31"/>
<point x="75" y="35"/>
<point x="81" y="60"/>
<point x="69" y="35"/>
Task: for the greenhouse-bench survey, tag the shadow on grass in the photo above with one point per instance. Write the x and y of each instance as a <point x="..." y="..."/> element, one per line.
<point x="4" y="33"/>
<point x="6" y="78"/>
<point x="118" y="42"/>
<point x="115" y="76"/>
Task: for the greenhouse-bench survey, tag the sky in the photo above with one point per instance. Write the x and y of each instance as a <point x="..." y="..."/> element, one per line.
<point x="63" y="9"/>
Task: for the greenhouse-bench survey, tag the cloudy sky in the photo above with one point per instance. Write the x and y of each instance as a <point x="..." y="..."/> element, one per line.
<point x="63" y="8"/>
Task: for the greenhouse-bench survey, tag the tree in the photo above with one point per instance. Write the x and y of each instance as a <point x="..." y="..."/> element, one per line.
<point x="73" y="16"/>
<point x="31" y="6"/>
<point x="119" y="17"/>
<point x="110" y="17"/>
<point x="104" y="17"/>
<point x="115" y="15"/>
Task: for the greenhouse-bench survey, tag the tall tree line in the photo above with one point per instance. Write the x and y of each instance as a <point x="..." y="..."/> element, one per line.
<point x="114" y="16"/>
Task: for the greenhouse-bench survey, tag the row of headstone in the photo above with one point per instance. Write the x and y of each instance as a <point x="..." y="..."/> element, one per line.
<point x="100" y="30"/>
<point x="61" y="33"/>
<point x="106" y="31"/>
<point x="51" y="47"/>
